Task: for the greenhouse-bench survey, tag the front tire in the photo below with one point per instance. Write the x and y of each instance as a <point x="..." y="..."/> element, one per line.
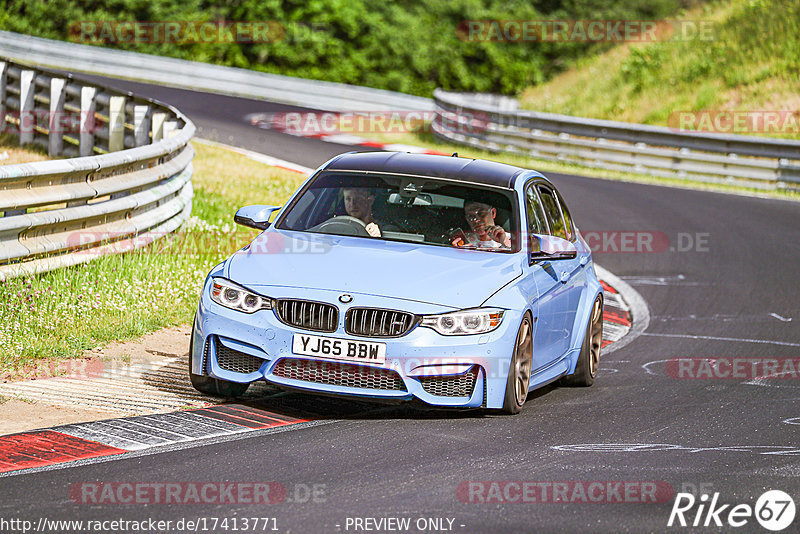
<point x="519" y="372"/>
<point x="213" y="386"/>
<point x="589" y="359"/>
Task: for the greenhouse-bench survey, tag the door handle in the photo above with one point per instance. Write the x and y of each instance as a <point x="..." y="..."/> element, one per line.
<point x="584" y="260"/>
<point x="564" y="277"/>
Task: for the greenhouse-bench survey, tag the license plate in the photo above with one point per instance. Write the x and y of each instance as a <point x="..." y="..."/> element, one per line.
<point x="339" y="349"/>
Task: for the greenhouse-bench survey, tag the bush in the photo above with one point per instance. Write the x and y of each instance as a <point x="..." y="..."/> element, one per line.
<point x="407" y="45"/>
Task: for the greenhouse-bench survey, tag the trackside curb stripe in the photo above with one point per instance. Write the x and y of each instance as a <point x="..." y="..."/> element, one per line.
<point x="47" y="447"/>
<point x="119" y="436"/>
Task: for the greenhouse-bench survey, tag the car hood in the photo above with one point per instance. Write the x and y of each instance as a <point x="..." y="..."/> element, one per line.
<point x="424" y="273"/>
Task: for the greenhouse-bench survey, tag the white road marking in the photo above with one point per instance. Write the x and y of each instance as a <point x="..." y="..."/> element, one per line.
<point x="718" y="338"/>
<point x="782" y="319"/>
<point x="677" y="280"/>
<point x="722" y="318"/>
<point x="770" y="382"/>
<point x="792" y="421"/>
<point x="767" y="450"/>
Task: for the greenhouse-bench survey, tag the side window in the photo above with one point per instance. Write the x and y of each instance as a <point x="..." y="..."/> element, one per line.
<point x="554" y="217"/>
<point x="537" y="223"/>
<point x="567" y="217"/>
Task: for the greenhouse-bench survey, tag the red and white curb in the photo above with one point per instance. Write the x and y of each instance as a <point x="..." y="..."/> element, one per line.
<point x="355" y="140"/>
<point x="617" y="319"/>
<point x="69" y="443"/>
<point x="625" y="313"/>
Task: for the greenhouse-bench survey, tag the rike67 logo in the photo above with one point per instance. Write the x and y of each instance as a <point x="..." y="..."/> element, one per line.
<point x="774" y="510"/>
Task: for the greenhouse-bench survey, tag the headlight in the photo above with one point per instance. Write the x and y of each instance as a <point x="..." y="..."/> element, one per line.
<point x="237" y="298"/>
<point x="464" y="322"/>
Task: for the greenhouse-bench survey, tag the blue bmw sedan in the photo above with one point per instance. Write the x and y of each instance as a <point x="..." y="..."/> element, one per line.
<point x="393" y="276"/>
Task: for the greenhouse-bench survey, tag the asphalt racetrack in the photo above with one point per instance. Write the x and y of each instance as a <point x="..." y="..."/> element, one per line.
<point x="721" y="284"/>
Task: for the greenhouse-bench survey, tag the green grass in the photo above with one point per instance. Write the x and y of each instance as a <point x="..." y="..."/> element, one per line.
<point x="751" y="62"/>
<point x="59" y="314"/>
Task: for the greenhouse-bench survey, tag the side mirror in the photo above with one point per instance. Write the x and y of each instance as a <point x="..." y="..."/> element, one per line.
<point x="551" y="248"/>
<point x="256" y="216"/>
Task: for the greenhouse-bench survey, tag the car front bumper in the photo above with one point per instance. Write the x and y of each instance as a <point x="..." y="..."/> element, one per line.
<point x="449" y="371"/>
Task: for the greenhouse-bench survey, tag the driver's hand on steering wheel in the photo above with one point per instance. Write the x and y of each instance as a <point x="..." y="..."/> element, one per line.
<point x="373" y="230"/>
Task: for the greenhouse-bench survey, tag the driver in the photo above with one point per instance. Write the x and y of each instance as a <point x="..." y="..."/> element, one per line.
<point x="358" y="203"/>
<point x="485" y="233"/>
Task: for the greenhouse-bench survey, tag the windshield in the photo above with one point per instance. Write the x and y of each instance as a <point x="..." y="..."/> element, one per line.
<point x="400" y="208"/>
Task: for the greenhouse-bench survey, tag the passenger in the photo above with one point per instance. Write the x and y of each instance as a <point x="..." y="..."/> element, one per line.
<point x="485" y="233"/>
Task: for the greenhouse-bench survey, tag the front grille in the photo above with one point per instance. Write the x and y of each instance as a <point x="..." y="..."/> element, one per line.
<point x="375" y="322"/>
<point x="308" y="315"/>
<point x="235" y="361"/>
<point x="450" y="386"/>
<point x="339" y="374"/>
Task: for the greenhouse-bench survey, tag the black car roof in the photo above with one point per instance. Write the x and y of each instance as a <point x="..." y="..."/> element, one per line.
<point x="477" y="171"/>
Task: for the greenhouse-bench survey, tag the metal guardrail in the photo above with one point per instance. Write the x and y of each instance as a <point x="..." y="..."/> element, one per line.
<point x="132" y="174"/>
<point x="199" y="76"/>
<point x="496" y="125"/>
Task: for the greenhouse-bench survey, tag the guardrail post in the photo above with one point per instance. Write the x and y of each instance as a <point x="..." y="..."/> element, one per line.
<point x="170" y="128"/>
<point x="56" y="121"/>
<point x="27" y="119"/>
<point x="141" y="125"/>
<point x="88" y="104"/>
<point x="116" y="123"/>
<point x="2" y="97"/>
<point x="158" y="126"/>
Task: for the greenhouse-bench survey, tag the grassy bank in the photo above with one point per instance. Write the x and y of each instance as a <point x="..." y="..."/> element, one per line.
<point x="60" y="314"/>
<point x="750" y="61"/>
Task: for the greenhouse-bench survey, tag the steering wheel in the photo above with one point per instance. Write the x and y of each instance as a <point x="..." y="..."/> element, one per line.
<point x="342" y="225"/>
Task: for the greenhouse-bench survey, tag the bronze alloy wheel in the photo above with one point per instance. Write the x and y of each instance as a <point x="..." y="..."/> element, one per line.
<point x="596" y="340"/>
<point x="589" y="358"/>
<point x="519" y="373"/>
